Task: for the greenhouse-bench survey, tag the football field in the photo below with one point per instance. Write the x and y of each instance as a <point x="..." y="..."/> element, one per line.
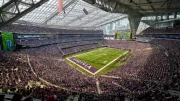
<point x="99" y="61"/>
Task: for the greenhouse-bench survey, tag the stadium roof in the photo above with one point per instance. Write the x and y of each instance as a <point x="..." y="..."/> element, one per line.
<point x="138" y="7"/>
<point x="73" y="15"/>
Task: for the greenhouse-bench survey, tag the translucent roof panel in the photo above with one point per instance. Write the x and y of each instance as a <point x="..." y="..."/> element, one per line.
<point x="2" y="2"/>
<point x="73" y="14"/>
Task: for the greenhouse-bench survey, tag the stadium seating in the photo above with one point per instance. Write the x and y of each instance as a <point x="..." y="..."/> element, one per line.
<point x="45" y="40"/>
<point x="145" y="74"/>
<point x="26" y="29"/>
<point x="164" y="31"/>
<point x="173" y="47"/>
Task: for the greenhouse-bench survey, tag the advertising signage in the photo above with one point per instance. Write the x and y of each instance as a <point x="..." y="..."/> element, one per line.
<point x="7" y="41"/>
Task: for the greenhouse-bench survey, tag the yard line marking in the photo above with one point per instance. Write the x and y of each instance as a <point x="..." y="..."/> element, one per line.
<point x="89" y="52"/>
<point x="100" y="49"/>
<point x="111" y="62"/>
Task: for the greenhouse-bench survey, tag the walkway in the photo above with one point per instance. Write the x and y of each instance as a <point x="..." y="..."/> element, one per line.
<point x="48" y="83"/>
<point x="97" y="85"/>
<point x="117" y="77"/>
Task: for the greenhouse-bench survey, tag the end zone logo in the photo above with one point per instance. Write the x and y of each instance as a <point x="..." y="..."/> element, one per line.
<point x="83" y="65"/>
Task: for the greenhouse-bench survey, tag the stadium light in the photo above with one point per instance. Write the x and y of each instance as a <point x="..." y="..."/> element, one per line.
<point x="85" y="11"/>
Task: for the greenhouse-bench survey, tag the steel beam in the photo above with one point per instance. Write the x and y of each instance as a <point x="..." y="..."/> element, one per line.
<point x="11" y="4"/>
<point x="56" y="13"/>
<point x="138" y="6"/>
<point x="118" y="8"/>
<point x="80" y="17"/>
<point x="151" y="5"/>
<point x="111" y="20"/>
<point x="106" y="19"/>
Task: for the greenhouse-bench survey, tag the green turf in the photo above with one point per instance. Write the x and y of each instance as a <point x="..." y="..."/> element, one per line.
<point x="99" y="58"/>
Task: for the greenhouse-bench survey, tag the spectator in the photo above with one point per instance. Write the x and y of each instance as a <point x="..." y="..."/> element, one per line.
<point x="2" y="97"/>
<point x="17" y="97"/>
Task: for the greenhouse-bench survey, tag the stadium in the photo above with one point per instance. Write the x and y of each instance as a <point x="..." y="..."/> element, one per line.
<point x="89" y="50"/>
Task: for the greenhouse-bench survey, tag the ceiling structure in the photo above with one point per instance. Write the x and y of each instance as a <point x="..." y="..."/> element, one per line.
<point x="98" y="12"/>
<point x="73" y="15"/>
<point x="138" y="7"/>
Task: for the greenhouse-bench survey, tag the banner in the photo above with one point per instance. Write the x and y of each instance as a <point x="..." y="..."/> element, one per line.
<point x="60" y="5"/>
<point x="7" y="41"/>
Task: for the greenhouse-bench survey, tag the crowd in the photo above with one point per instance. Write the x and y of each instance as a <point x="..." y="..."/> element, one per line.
<point x="61" y="74"/>
<point x="157" y="95"/>
<point x="40" y="41"/>
<point x="47" y="93"/>
<point x="173" y="47"/>
<point x="147" y="62"/>
<point x="146" y="74"/>
<point x="74" y="44"/>
<point x="165" y="31"/>
<point x="14" y="70"/>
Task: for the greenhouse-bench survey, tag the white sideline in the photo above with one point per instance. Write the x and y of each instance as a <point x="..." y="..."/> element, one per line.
<point x="111" y="62"/>
<point x="102" y="67"/>
<point x="81" y="67"/>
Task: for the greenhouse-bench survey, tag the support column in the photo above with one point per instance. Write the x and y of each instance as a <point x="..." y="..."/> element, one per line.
<point x="156" y="19"/>
<point x="134" y="24"/>
<point x="175" y="15"/>
<point x="168" y="16"/>
<point x="162" y="17"/>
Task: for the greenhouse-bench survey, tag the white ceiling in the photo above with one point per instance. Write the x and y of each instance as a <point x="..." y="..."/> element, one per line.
<point x="73" y="15"/>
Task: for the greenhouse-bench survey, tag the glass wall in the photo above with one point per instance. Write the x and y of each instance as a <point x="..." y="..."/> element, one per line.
<point x="178" y="14"/>
<point x="118" y="25"/>
<point x="148" y="18"/>
<point x="171" y="16"/>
